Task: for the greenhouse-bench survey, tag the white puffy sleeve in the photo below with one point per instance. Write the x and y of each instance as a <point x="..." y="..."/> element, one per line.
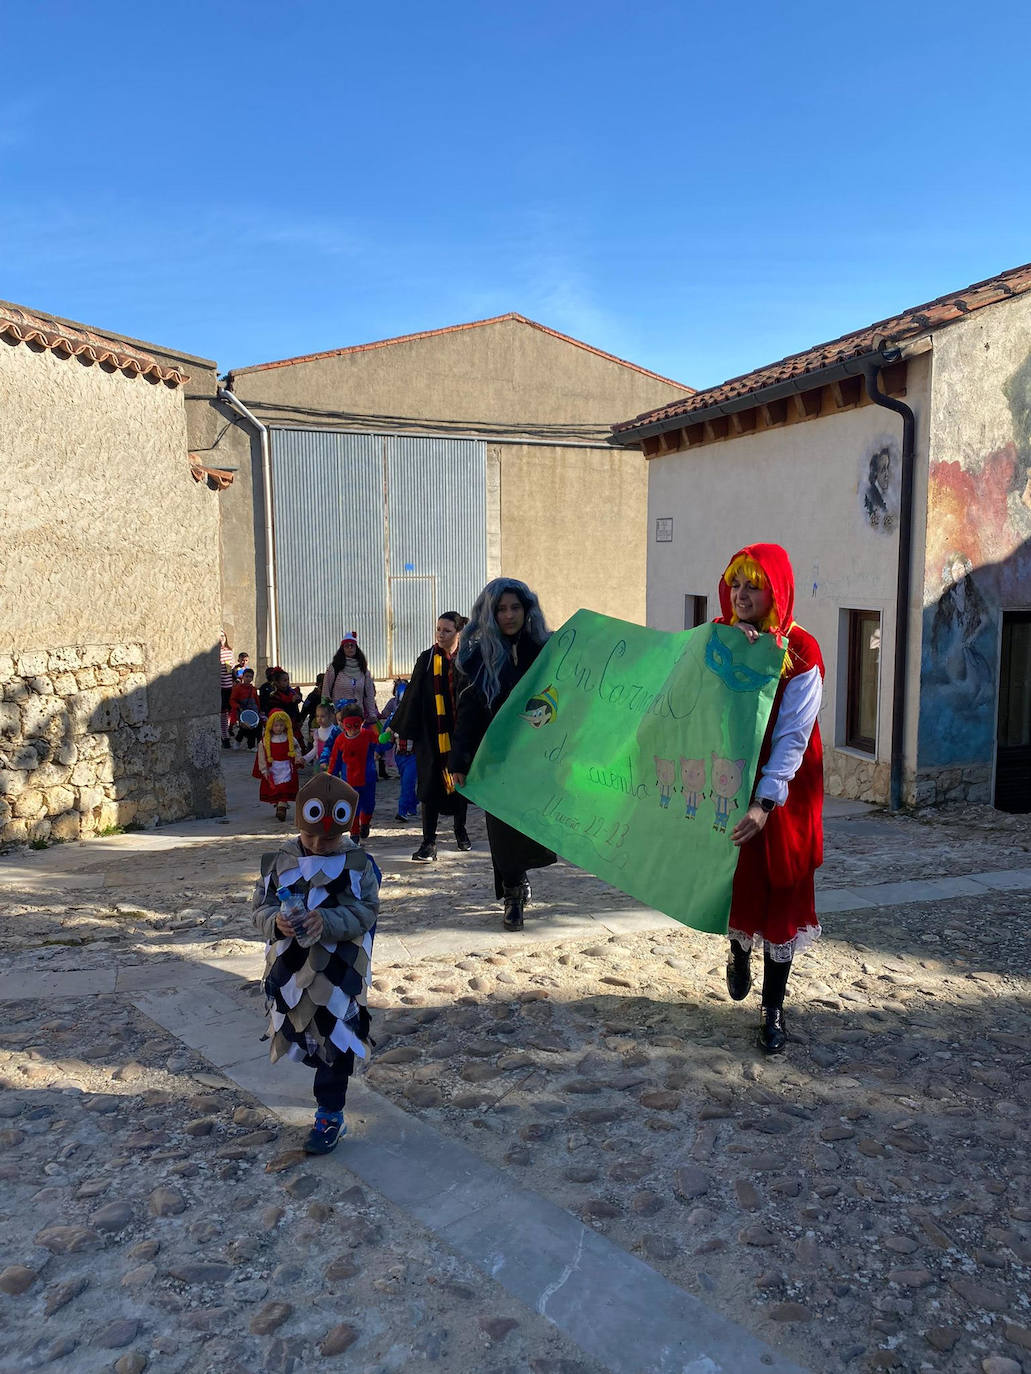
<point x="799" y="708"/>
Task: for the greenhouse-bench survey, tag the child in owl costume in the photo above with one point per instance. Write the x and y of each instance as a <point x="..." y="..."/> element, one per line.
<point x="316" y="904"/>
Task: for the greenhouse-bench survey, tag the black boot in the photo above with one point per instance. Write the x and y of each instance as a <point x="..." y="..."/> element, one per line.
<point x="739" y="972"/>
<point x="381" y="768"/>
<point x="772" y="1035"/>
<point x="426" y="853"/>
<point x="462" y="838"/>
<point x="513" y="918"/>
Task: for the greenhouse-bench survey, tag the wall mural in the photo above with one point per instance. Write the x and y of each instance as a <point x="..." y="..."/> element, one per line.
<point x="879" y="488"/>
<point x="978" y="560"/>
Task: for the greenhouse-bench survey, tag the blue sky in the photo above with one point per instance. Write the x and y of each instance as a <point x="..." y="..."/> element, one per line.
<point x="700" y="189"/>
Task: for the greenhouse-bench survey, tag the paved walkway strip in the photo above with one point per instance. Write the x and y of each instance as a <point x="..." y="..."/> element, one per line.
<point x="391" y="949"/>
<point x="613" y="1306"/>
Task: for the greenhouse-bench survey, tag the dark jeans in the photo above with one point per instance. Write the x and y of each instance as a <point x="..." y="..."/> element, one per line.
<point x="331" y="1082"/>
<point x="431" y="815"/>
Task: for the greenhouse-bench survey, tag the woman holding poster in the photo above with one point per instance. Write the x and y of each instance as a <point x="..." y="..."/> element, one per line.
<point x="505" y="633"/>
<point x="780" y="836"/>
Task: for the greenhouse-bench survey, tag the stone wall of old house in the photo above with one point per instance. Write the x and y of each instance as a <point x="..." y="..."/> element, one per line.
<point x="80" y="754"/>
<point x="109" y="604"/>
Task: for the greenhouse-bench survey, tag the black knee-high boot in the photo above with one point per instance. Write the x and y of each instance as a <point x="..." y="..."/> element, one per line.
<point x="739" y="972"/>
<point x="772" y="1036"/>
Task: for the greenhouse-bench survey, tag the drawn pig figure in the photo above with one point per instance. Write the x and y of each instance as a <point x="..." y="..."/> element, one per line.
<point x="692" y="781"/>
<point x="665" y="776"/>
<point x="726" y="783"/>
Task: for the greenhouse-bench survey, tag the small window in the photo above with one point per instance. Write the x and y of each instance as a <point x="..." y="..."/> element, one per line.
<point x="696" y="611"/>
<point x="864" y="660"/>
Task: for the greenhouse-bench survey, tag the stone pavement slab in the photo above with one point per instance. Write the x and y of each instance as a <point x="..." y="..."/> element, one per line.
<point x="616" y="1308"/>
<point x="51" y="986"/>
<point x="1009" y="880"/>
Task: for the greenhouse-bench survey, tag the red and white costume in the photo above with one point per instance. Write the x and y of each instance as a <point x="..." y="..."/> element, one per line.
<point x="773" y="902"/>
<point x="279" y="783"/>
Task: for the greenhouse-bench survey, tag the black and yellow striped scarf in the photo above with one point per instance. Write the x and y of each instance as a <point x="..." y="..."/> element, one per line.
<point x="441" y="692"/>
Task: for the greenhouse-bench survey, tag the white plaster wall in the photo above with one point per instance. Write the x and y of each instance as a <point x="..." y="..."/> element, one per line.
<point x="801" y="486"/>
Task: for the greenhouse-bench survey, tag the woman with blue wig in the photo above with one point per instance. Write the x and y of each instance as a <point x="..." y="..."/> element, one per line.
<point x="505" y="633"/>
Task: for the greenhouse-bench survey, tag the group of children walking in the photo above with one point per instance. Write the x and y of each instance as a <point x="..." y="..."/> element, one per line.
<point x="345" y="741"/>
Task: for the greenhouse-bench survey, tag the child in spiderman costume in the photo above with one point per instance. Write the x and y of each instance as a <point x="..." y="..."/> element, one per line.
<point x="349" y="759"/>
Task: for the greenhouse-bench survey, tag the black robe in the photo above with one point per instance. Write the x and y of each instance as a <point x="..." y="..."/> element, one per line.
<point x="416" y="719"/>
<point x="511" y="851"/>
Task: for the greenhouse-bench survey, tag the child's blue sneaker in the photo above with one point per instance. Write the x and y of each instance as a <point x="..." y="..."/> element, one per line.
<point x="323" y="1136"/>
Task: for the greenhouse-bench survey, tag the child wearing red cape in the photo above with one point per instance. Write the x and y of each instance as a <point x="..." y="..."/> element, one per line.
<point x="276" y="763"/>
<point x="780" y="836"/>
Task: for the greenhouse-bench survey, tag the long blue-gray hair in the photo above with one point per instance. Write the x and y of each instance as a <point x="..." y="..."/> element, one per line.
<point x="482" y="633"/>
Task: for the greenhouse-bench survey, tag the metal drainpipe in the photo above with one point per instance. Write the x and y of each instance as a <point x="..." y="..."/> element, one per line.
<point x="898" y="706"/>
<point x="266" y="481"/>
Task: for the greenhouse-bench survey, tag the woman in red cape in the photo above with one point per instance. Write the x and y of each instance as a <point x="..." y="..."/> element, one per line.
<point x="780" y="836"/>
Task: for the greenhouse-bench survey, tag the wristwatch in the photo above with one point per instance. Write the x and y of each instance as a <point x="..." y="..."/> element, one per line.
<point x="767" y="804"/>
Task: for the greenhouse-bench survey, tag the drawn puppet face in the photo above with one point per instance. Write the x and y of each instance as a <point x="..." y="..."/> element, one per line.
<point x="542" y="710"/>
<point x="726" y="776"/>
<point x="323" y="812"/>
<point x="692" y="774"/>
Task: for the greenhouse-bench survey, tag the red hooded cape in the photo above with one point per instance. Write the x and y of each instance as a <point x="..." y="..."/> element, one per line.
<point x="790" y="846"/>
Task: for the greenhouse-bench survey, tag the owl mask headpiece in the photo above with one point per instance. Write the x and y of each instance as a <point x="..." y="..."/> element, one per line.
<point x="325" y="806"/>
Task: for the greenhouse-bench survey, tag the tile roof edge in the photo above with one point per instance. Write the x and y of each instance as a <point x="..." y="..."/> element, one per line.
<point x="510" y="315"/>
<point x="909" y="322"/>
<point x="56" y="336"/>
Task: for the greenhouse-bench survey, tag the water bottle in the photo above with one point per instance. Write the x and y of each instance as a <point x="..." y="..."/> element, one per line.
<point x="293" y="909"/>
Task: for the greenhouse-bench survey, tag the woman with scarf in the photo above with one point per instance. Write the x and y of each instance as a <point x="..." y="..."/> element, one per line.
<point x="506" y="632"/>
<point x="348" y="678"/>
<point x="780" y="836"/>
<point x="426" y="715"/>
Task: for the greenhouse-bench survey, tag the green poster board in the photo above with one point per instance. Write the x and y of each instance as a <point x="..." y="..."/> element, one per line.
<point x="632" y="752"/>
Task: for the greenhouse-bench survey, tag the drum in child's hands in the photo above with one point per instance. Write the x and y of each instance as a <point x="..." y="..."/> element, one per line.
<point x="250" y="720"/>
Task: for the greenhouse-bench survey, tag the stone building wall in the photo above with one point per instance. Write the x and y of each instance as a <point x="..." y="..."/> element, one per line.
<point x="109" y="600"/>
<point x="79" y="754"/>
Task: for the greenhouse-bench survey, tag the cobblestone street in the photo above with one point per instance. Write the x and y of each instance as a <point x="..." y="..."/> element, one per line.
<point x="861" y="1203"/>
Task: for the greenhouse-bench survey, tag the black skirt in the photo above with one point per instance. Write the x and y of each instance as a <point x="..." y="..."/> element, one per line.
<point x="513" y="853"/>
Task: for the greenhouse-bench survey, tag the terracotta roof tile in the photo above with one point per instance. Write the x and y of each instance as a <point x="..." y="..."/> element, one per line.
<point x="455" y="329"/>
<point x="23" y="326"/>
<point x="218" y="479"/>
<point x="920" y="319"/>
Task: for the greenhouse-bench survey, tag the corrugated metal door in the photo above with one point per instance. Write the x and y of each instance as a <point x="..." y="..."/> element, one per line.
<point x="348" y="559"/>
<point x="437" y="527"/>
<point x="330" y="546"/>
<point x="413" y="605"/>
